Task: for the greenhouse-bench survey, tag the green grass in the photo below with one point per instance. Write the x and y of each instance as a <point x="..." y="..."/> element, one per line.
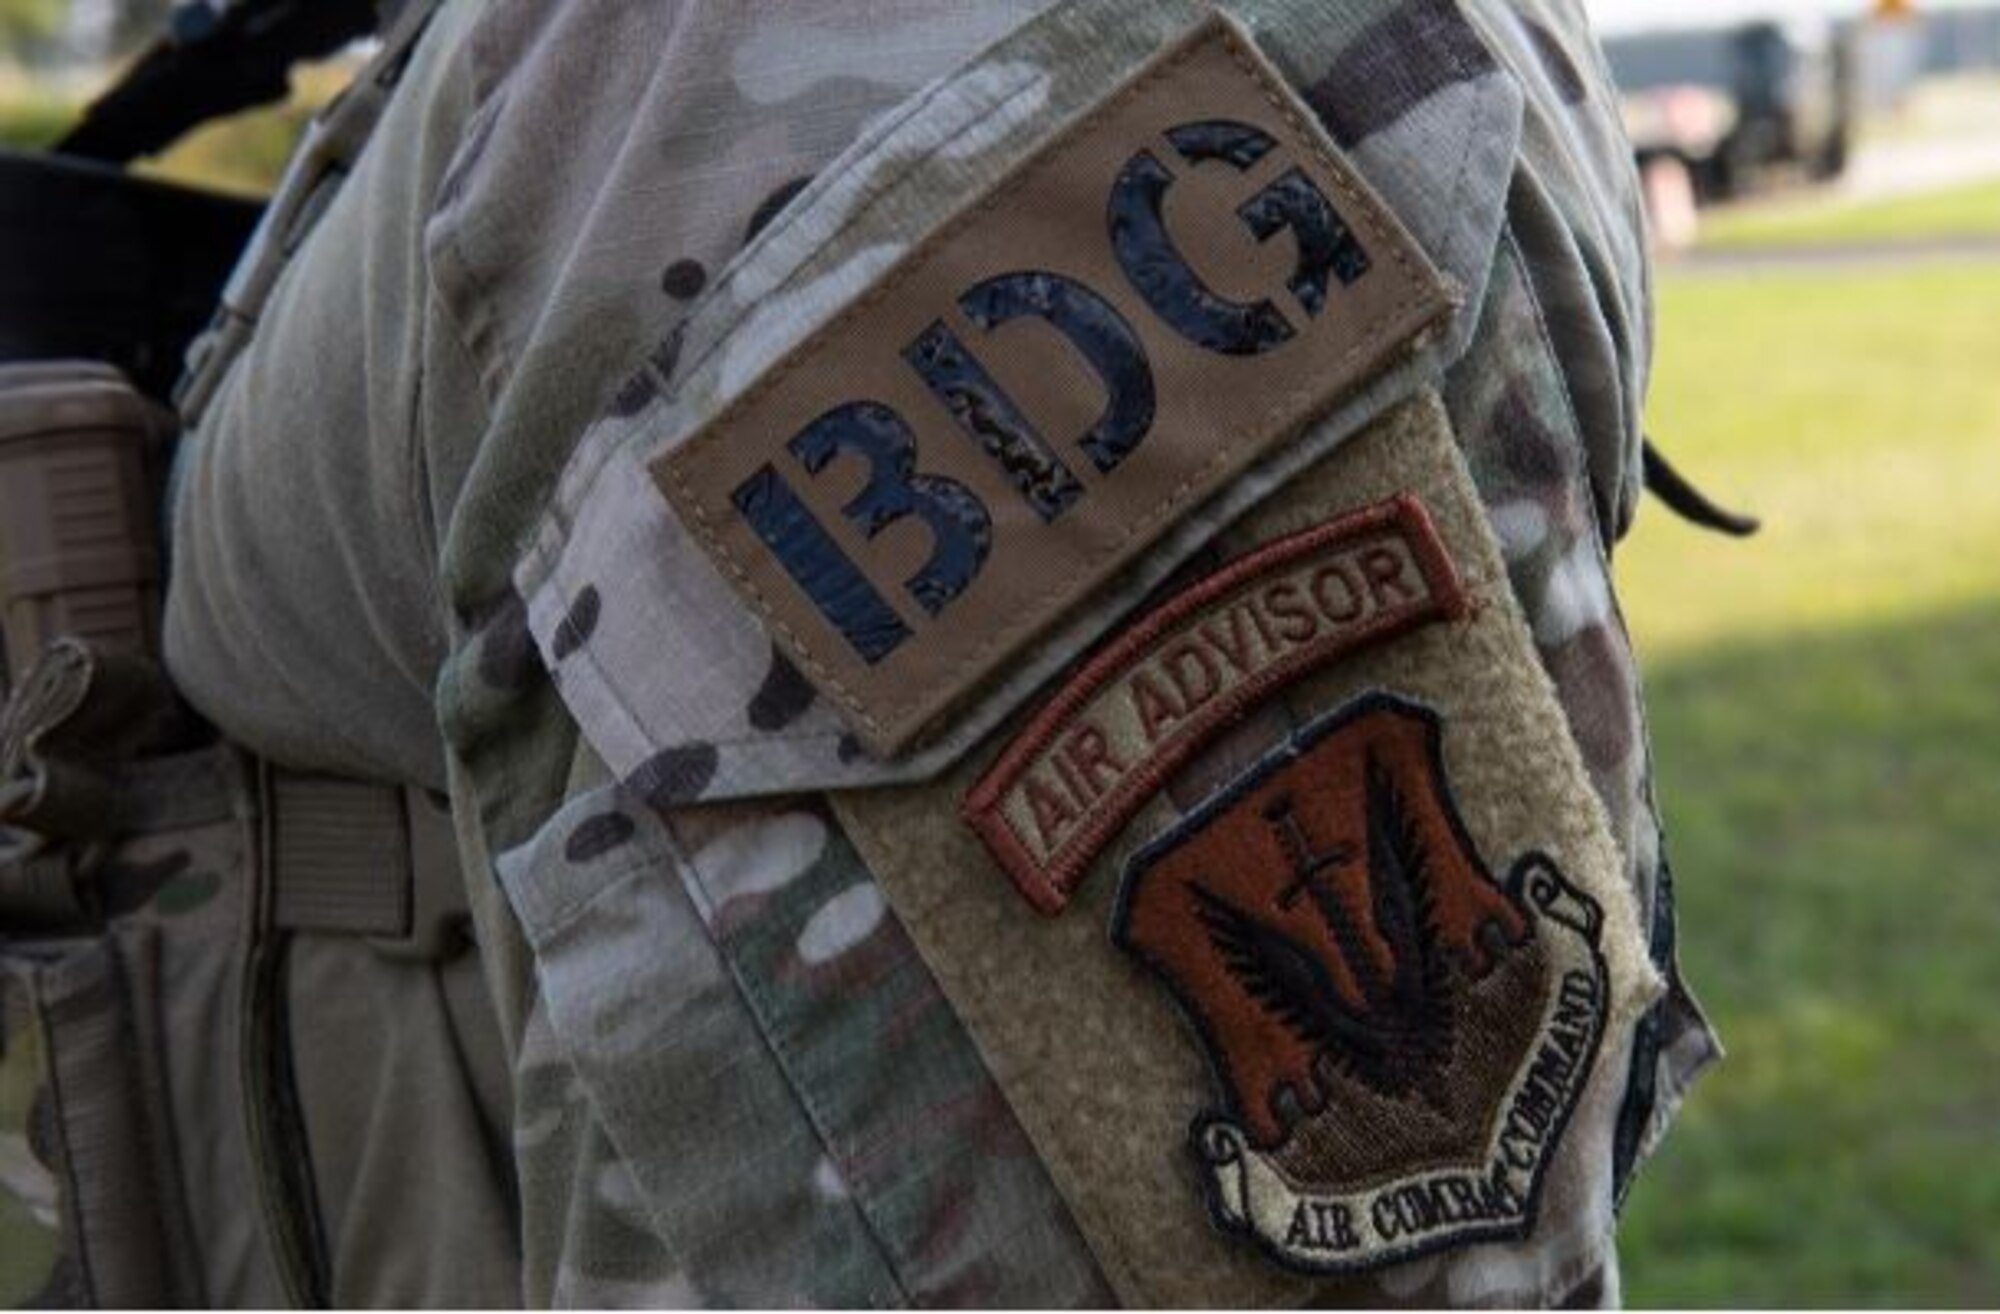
<point x="1825" y="703"/>
<point x="1856" y="411"/>
<point x="30" y="122"/>
<point x="1972" y="210"/>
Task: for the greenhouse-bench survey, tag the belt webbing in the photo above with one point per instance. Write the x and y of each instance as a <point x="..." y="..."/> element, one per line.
<point x="338" y="855"/>
<point x="357" y="857"/>
<point x="341" y="856"/>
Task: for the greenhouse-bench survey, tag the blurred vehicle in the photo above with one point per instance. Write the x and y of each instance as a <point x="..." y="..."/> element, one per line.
<point x="1730" y="109"/>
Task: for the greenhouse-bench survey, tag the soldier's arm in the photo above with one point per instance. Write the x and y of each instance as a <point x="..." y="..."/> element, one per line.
<point x="1025" y="665"/>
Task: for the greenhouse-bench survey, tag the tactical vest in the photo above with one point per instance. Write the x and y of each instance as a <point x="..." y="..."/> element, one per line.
<point x="152" y="873"/>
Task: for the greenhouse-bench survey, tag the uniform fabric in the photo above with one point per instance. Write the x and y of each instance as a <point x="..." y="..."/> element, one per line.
<point x="716" y="1032"/>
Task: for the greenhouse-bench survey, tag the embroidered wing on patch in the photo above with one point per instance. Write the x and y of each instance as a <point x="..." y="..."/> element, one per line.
<point x="1399" y="1038"/>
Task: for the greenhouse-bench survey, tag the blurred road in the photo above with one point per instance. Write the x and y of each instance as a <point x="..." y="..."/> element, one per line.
<point x="1943" y="139"/>
<point x="1887" y="168"/>
<point x="1922" y="250"/>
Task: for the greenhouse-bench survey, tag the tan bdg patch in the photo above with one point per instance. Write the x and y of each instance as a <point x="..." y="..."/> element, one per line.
<point x="1435" y="1067"/>
<point x="1186" y="672"/>
<point x="1176" y="283"/>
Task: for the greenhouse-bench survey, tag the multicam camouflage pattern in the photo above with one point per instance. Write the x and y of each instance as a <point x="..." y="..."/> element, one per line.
<point x="703" y="980"/>
<point x="82" y="1220"/>
<point x="1545" y="391"/>
<point x="734" y="1078"/>
<point x="35" y="1270"/>
<point x="1525" y="449"/>
<point x="592" y="1218"/>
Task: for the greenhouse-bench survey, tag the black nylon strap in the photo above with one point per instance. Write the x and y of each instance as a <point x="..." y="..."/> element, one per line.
<point x="200" y="72"/>
<point x="1688" y="502"/>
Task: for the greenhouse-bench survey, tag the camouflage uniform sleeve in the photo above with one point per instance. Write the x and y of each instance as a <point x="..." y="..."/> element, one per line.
<point x="1550" y="414"/>
<point x="743" y="1072"/>
<point x="738" y="1082"/>
<point x="735" y="1082"/>
<point x="721" y="1039"/>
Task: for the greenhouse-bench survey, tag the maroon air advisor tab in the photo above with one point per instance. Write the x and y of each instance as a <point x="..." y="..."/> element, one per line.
<point x="1187" y="671"/>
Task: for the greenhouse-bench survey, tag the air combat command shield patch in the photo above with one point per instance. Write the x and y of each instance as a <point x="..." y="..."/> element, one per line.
<point x="1399" y="1037"/>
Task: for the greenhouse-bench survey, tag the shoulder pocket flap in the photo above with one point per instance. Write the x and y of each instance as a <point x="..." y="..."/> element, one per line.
<point x="897" y="485"/>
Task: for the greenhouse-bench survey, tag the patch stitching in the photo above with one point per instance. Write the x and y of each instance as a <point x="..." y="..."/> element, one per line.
<point x="1368" y="217"/>
<point x="1206" y="1123"/>
<point x="1049" y="884"/>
